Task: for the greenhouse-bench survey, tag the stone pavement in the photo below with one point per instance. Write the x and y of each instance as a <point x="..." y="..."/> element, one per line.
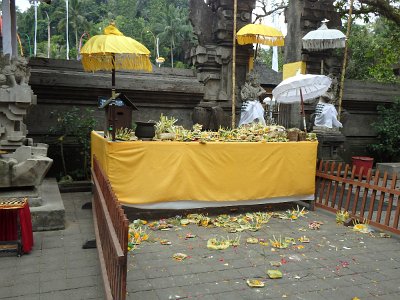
<point x="57" y="267"/>
<point x="337" y="263"/>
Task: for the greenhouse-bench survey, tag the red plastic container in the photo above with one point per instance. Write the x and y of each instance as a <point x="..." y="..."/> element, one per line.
<point x="362" y="161"/>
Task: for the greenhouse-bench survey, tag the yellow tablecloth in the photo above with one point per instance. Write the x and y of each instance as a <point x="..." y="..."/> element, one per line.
<point x="146" y="172"/>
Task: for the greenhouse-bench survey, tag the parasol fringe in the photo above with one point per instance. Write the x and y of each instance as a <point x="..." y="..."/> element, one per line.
<point x="265" y="40"/>
<point x="106" y="62"/>
<point x="317" y="45"/>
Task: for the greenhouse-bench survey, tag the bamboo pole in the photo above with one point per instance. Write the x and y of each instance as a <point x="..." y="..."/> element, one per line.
<point x="234" y="64"/>
<point x="349" y="20"/>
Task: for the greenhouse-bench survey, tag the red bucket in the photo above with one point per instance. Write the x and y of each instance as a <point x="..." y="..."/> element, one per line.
<point x="362" y="161"/>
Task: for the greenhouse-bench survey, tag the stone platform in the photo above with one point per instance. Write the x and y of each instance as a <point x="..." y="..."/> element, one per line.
<point x="390" y="168"/>
<point x="46" y="205"/>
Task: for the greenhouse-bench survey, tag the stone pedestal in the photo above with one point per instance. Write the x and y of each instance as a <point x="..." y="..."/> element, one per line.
<point x="45" y="202"/>
<point x="26" y="166"/>
<point x="330" y="141"/>
<point x="390" y="168"/>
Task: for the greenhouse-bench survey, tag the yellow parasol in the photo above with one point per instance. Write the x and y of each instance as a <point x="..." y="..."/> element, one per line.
<point x="113" y="51"/>
<point x="260" y="34"/>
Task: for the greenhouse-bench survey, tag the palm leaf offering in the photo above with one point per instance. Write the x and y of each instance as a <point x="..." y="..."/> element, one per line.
<point x="179" y="256"/>
<point x="254" y="132"/>
<point x="342" y="216"/>
<point x="274" y="274"/>
<point x="255" y="283"/>
<point x="222" y="243"/>
<point x="362" y="227"/>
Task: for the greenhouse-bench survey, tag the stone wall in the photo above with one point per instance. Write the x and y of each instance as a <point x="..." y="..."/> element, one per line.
<point x="60" y="85"/>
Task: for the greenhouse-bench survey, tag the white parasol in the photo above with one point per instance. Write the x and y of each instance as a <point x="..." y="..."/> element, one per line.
<point x="300" y="88"/>
<point x="324" y="38"/>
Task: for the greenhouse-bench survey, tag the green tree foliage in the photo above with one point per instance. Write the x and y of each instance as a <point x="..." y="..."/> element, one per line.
<point x="265" y="56"/>
<point x="374" y="50"/>
<point x="388" y="130"/>
<point x="173" y="28"/>
<point x="76" y="126"/>
<point x="143" y="20"/>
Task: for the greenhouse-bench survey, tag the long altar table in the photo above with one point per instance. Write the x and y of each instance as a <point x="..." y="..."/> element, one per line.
<point x="176" y="175"/>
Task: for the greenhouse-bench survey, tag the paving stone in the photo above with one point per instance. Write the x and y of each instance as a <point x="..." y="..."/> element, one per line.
<point x="28" y="297"/>
<point x="54" y="296"/>
<point x="314" y="296"/>
<point x="148" y="295"/>
<point x="186" y="280"/>
<point x="237" y="296"/>
<point x="58" y="274"/>
<point x="53" y="285"/>
<point x="170" y="293"/>
<point x="25" y="289"/>
<point x="138" y="285"/>
<point x="84" y="293"/>
<point x="161" y="283"/>
<point x="154" y="272"/>
<point x="28" y="269"/>
<point x="135" y="274"/>
<point x="6" y="292"/>
<point x="180" y="270"/>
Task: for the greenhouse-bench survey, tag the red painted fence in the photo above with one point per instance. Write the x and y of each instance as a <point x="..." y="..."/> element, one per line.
<point x="111" y="228"/>
<point x="373" y="197"/>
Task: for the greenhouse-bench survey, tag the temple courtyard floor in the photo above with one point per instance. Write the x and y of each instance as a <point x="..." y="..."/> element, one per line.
<point x="336" y="263"/>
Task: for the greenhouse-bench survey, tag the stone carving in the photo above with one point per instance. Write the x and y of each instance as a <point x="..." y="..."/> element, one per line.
<point x="213" y="24"/>
<point x="21" y="162"/>
<point x="15" y="98"/>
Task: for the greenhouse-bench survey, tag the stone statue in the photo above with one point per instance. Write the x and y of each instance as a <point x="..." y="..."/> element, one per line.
<point x="21" y="162"/>
<point x="325" y="111"/>
<point x="251" y="91"/>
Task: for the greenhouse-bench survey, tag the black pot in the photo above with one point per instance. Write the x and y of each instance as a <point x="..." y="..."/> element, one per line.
<point x="145" y="130"/>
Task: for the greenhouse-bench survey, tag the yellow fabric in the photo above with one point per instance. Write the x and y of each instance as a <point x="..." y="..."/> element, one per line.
<point x="251" y="63"/>
<point x="150" y="172"/>
<point x="113" y="50"/>
<point x="111" y="29"/>
<point x="260" y="34"/>
<point x="291" y="69"/>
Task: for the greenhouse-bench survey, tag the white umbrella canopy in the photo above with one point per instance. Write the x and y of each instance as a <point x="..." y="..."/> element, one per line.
<point x="300" y="88"/>
<point x="324" y="38"/>
<point x="311" y="86"/>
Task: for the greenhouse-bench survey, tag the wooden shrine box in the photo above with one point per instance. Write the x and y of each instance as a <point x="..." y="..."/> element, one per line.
<point x="118" y="113"/>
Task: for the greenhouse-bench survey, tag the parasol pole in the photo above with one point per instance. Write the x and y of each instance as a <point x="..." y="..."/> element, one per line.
<point x="234" y="64"/>
<point x="112" y="104"/>
<point x="345" y="58"/>
<point x="302" y="111"/>
<point x="255" y="52"/>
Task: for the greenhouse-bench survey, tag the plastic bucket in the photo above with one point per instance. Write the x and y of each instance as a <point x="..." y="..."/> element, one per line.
<point x="362" y="161"/>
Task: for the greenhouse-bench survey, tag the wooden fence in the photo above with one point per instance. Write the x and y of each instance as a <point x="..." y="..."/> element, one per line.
<point x="111" y="228"/>
<point x="372" y="197"/>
